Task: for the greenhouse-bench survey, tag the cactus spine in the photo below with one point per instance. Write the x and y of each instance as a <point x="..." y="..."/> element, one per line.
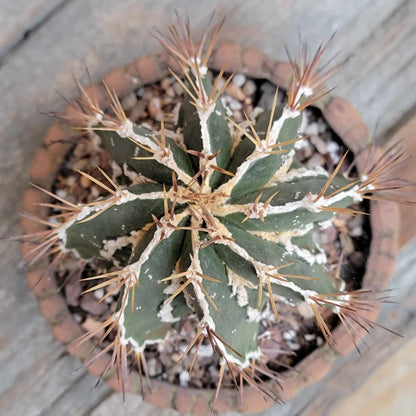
<point x="220" y="223"/>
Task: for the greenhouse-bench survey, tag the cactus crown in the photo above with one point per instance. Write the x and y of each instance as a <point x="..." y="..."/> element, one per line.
<point x="219" y="221"/>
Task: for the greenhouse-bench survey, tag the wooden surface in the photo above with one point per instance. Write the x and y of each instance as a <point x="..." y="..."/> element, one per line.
<point x="44" y="43"/>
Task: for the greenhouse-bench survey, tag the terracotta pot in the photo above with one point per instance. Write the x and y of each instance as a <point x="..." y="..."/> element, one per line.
<point x="343" y="119"/>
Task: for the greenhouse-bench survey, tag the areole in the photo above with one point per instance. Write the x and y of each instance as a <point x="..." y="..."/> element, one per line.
<point x="343" y="119"/>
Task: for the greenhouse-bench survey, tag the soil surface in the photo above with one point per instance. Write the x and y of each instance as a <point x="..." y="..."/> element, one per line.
<point x="295" y="335"/>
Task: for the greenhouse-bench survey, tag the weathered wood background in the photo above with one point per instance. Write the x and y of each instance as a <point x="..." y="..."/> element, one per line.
<point x="43" y="43"/>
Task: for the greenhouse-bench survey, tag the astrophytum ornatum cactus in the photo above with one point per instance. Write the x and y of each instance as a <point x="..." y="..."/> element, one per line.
<point x="218" y="221"/>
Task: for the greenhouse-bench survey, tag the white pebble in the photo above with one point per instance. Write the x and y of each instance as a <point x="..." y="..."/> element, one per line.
<point x="309" y="337"/>
<point x="239" y="79"/>
<point x="178" y="89"/>
<point x="95" y="192"/>
<point x="333" y="150"/>
<point x="356" y="232"/>
<point x="151" y="367"/>
<point x="77" y="318"/>
<point x="319" y="144"/>
<point x="322" y="126"/>
<point x="293" y="346"/>
<point x="165" y="83"/>
<point x="249" y="88"/>
<point x="205" y="351"/>
<point x="183" y="378"/>
<point x="61" y="193"/>
<point x="312" y="129"/>
<point x="235" y="105"/>
<point x="170" y="92"/>
<point x="99" y="293"/>
<point x="129" y="101"/>
<point x="140" y="91"/>
<point x="289" y="335"/>
<point x="305" y="310"/>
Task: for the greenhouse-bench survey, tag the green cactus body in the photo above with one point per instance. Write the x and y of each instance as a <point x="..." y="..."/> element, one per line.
<point x="213" y="229"/>
<point x="228" y="240"/>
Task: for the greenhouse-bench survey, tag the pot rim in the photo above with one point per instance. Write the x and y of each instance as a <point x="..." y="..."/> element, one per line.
<point x="341" y="117"/>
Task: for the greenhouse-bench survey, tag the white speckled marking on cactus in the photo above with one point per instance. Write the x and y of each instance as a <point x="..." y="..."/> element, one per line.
<point x="285" y="238"/>
<point x="278" y="124"/>
<point x="253" y="314"/>
<point x="306" y="202"/>
<point x="111" y="246"/>
<point x="165" y="313"/>
<point x="301" y="173"/>
<point x="262" y="268"/>
<point x="126" y="131"/>
<point x="238" y="285"/>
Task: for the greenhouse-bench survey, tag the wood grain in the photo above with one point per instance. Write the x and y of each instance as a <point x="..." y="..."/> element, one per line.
<point x="19" y="18"/>
<point x="378" y="37"/>
<point x="389" y="390"/>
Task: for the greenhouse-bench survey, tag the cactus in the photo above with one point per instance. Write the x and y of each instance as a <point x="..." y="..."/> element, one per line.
<point x="220" y="222"/>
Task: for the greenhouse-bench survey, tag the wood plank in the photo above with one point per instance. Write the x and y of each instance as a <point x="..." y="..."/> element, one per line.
<point x="376" y="38"/>
<point x="133" y="406"/>
<point x="54" y="385"/>
<point x="390" y="389"/>
<point x="35" y="369"/>
<point x="378" y="77"/>
<point x="80" y="399"/>
<point x="107" y="33"/>
<point x="26" y="339"/>
<point x="19" y="17"/>
<point x="36" y="372"/>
